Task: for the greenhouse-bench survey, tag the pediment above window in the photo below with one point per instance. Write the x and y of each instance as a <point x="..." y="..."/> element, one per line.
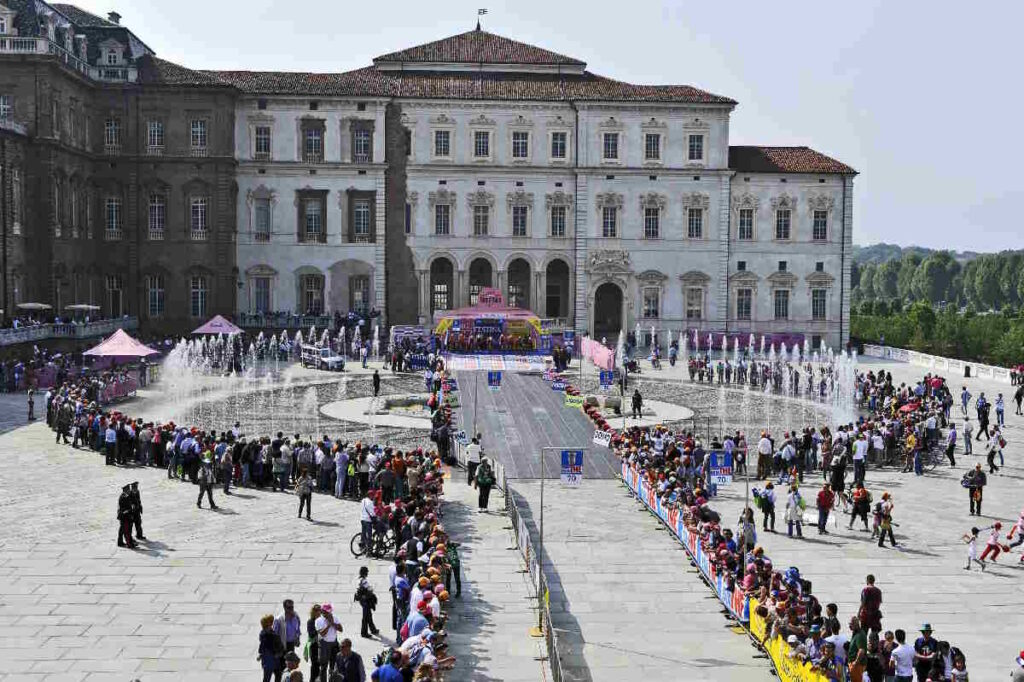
<point x="519" y="198"/>
<point x="652" y="277"/>
<point x="611" y="123"/>
<point x="482" y="121"/>
<point x="821" y="202"/>
<point x="261" y="271"/>
<point x="609" y="200"/>
<point x="480" y="198"/>
<point x="441" y="196"/>
<point x="747" y="200"/>
<point x="782" y="280"/>
<point x="653" y="124"/>
<point x="652" y="200"/>
<point x="695" y="278"/>
<point x="743" y="279"/>
<point x="696" y="200"/>
<point x="783" y="202"/>
<point x="820" y="279"/>
<point x="442" y="119"/>
<point x="558" y="198"/>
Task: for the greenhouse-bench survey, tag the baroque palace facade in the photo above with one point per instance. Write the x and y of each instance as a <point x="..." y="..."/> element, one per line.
<point x="405" y="187"/>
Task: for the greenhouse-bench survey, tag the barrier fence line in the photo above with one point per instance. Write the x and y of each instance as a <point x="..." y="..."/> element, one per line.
<point x="937" y="362"/>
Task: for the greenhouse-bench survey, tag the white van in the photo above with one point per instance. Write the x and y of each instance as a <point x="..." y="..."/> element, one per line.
<point x="321" y="358"/>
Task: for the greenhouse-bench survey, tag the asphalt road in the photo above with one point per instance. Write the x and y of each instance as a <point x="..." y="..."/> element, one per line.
<point x="524" y="416"/>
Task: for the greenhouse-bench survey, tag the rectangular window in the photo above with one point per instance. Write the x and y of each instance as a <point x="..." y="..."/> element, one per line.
<point x="558" y="145"/>
<point x="261" y="295"/>
<point x="519" y="216"/>
<point x="652" y="223"/>
<point x="782" y="223"/>
<point x="442" y="143"/>
<point x="115" y="287"/>
<point x="695" y="223"/>
<point x="113" y="218"/>
<point x="783" y="266"/>
<point x="741" y="266"/>
<point x="652" y="147"/>
<point x="695" y="148"/>
<point x="744" y="303"/>
<point x="782" y="304"/>
<point x="359" y="291"/>
<point x="155" y="295"/>
<point x="361" y="146"/>
<point x="198" y="291"/>
<point x="408" y="218"/>
<point x="609" y="222"/>
<point x="155" y="134"/>
<point x="819" y="266"/>
<point x="610" y="148"/>
<point x="439" y="296"/>
<point x="818" y="304"/>
<point x="261" y="146"/>
<point x="157" y="216"/>
<point x="6" y="107"/>
<point x="558" y="221"/>
<point x="198" y="217"/>
<point x="313" y="294"/>
<point x="112" y="58"/>
<point x="313" y="220"/>
<point x="652" y="303"/>
<point x="198" y="134"/>
<point x="442" y="219"/>
<point x="481" y="217"/>
<point x="745" y="230"/>
<point x="361" y="220"/>
<point x="516" y="295"/>
<point x="520" y="145"/>
<point x="313" y="145"/>
<point x="112" y="133"/>
<point x="694" y="303"/>
<point x="261" y="220"/>
<point x="481" y="144"/>
<point x="820" y="231"/>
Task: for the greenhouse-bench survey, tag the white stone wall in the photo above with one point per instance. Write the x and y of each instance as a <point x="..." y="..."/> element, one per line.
<point x="284" y="258"/>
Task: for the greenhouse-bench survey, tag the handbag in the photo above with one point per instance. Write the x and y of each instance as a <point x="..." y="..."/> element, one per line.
<point x="305" y="650"/>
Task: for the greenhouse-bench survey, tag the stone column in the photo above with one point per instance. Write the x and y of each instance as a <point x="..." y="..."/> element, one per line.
<point x="501" y="283"/>
<point x="424" y="303"/>
<point x="535" y="295"/>
<point x="460" y="297"/>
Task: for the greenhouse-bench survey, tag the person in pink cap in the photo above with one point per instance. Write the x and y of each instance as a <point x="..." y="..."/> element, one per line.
<point x="327" y="628"/>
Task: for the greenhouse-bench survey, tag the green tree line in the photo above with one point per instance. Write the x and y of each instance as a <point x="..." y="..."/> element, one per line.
<point x="936" y="304"/>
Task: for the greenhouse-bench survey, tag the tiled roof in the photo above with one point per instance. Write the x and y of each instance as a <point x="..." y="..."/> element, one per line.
<point x="784" y="160"/>
<point x="475" y="47"/>
<point x="367" y="81"/>
<point x="156" y="71"/>
<point x="463" y="85"/>
<point x="82" y="18"/>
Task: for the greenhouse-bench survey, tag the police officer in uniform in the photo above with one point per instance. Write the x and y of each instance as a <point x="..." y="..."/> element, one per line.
<point x="124" y="518"/>
<point x="137" y="510"/>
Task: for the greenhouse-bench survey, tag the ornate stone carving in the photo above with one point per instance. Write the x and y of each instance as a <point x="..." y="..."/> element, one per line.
<point x="441" y="196"/>
<point x="654" y="124"/>
<point x="821" y="202"/>
<point x="557" y="122"/>
<point x="696" y="200"/>
<point x="482" y="120"/>
<point x="696" y="123"/>
<point x="782" y="202"/>
<point x="743" y="279"/>
<point x="607" y="261"/>
<point x="609" y="200"/>
<point x="557" y="198"/>
<point x="612" y="123"/>
<point x="413" y="197"/>
<point x="652" y="200"/>
<point x="519" y="198"/>
<point x="747" y="200"/>
<point x="443" y="119"/>
<point x="521" y="121"/>
<point x="480" y="198"/>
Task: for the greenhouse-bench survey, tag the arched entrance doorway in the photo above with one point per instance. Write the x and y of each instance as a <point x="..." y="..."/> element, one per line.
<point x="607" y="311"/>
<point x="441" y="280"/>
<point x="481" y="276"/>
<point x="556" y="298"/>
<point x="518" y="284"/>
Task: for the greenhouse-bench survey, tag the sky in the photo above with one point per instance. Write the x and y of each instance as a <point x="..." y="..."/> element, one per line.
<point x="917" y="96"/>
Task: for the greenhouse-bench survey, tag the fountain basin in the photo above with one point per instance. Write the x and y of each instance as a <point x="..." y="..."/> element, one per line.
<point x="398" y="411"/>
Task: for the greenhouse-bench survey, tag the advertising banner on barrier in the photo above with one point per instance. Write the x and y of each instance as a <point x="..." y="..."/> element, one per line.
<point x="735" y="601"/>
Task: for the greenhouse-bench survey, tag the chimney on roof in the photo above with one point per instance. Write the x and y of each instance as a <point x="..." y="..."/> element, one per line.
<point x="114" y="17"/>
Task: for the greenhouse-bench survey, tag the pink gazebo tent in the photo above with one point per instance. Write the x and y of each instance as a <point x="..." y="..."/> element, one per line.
<point x="120" y="345"/>
<point x="218" y="325"/>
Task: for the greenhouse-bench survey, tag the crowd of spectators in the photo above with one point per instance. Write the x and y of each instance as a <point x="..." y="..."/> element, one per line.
<point x="470" y="342"/>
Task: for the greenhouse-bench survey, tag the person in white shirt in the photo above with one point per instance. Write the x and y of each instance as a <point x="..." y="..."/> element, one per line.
<point x="327" y="627"/>
<point x="764" y="456"/>
<point x="366" y="517"/>
<point x="860" y="453"/>
<point x="902" y="658"/>
<point x="472" y="459"/>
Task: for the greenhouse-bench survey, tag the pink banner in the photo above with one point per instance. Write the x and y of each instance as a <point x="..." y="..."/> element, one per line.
<point x="597" y="353"/>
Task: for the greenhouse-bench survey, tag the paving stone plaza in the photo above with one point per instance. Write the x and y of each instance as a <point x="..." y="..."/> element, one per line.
<point x="626" y="603"/>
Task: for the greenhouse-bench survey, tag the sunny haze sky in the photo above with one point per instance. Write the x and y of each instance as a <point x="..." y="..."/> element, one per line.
<point x="919" y="97"/>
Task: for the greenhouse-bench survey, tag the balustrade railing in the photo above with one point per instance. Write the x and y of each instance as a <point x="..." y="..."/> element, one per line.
<point x="66" y="330"/>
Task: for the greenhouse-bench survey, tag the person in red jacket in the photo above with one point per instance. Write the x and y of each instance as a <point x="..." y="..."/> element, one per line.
<point x="826" y="500"/>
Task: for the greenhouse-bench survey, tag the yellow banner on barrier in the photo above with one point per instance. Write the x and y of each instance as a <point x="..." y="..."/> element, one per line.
<point x="573" y="400"/>
<point x="789" y="669"/>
